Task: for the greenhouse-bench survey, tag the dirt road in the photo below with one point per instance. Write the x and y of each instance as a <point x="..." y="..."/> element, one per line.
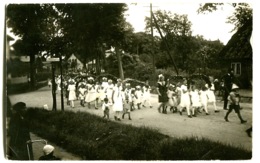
<point x="212" y="126"/>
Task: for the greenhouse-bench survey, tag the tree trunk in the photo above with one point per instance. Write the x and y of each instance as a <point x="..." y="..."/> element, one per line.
<point x="120" y="67"/>
<point x="32" y="72"/>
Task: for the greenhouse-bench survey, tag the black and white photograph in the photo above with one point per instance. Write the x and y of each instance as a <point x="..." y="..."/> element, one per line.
<point x="128" y="81"/>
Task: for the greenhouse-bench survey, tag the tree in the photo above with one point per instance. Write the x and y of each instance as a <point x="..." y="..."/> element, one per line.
<point x="26" y="21"/>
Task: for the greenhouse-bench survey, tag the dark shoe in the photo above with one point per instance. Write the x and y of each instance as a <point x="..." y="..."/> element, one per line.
<point x="216" y="111"/>
<point x="190" y="116"/>
<point x="226" y="119"/>
<point x="243" y="121"/>
<point x="129" y="118"/>
<point x="207" y="113"/>
<point x="143" y="106"/>
<point x="225" y="108"/>
<point x="180" y="113"/>
<point x="115" y="117"/>
<point x="118" y="119"/>
<point x="194" y="115"/>
<point x="151" y="107"/>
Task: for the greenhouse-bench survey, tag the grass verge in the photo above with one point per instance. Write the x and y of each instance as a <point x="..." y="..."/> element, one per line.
<point x="94" y="138"/>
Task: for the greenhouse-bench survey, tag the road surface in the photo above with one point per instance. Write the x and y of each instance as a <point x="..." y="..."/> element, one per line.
<point x="212" y="126"/>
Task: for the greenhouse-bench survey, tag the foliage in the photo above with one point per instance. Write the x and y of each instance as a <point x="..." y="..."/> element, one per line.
<point x="94" y="138"/>
<point x="43" y="76"/>
<point x="22" y="87"/>
<point x="17" y="68"/>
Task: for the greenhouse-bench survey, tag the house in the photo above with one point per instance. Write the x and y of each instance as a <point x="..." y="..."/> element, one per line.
<point x="238" y="54"/>
<point x="74" y="62"/>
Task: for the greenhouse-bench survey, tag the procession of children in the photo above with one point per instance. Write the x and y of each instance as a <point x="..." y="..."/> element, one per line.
<point x="121" y="98"/>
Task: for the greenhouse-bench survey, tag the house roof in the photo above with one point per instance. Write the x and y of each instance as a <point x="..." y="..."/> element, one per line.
<point x="239" y="47"/>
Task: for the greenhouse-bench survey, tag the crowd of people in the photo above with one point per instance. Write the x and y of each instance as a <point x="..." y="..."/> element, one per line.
<point x="118" y="96"/>
<point x="122" y="98"/>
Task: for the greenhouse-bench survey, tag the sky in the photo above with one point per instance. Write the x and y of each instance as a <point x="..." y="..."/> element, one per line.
<point x="212" y="26"/>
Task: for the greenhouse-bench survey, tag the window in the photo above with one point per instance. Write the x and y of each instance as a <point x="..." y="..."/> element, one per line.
<point x="236" y="66"/>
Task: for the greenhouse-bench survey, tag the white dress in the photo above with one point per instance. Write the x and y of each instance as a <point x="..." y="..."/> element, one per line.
<point x="102" y="94"/>
<point x="195" y="98"/>
<point x="211" y="94"/>
<point x="138" y="94"/>
<point x="146" y="94"/>
<point x="203" y="98"/>
<point x="118" y="99"/>
<point x="109" y="91"/>
<point x="185" y="97"/>
<point x="72" y="93"/>
<point x="172" y="98"/>
<point x="82" y="92"/>
<point x="91" y="95"/>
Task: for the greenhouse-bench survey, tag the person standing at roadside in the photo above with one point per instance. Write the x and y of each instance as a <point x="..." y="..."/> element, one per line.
<point x="19" y="133"/>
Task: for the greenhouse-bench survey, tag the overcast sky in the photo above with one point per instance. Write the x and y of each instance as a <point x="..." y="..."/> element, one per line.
<point x="212" y="26"/>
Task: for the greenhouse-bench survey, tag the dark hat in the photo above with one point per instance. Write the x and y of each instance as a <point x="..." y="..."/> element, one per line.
<point x="19" y="106"/>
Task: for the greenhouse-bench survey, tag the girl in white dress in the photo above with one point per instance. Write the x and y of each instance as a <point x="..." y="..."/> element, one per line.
<point x="97" y="89"/>
<point x="195" y="100"/>
<point x="109" y="90"/>
<point x="117" y="99"/>
<point x="185" y="98"/>
<point x="211" y="94"/>
<point x="172" y="98"/>
<point x="91" y="92"/>
<point x="138" y="95"/>
<point x="102" y="89"/>
<point x="147" y="95"/>
<point x="127" y="101"/>
<point x="72" y="93"/>
<point x="204" y="99"/>
<point x="82" y="94"/>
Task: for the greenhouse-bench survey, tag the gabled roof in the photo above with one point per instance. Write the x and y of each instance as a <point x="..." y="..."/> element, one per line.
<point x="239" y="47"/>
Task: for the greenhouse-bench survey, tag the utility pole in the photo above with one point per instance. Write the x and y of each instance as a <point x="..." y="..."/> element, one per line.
<point x="152" y="50"/>
<point x="61" y="84"/>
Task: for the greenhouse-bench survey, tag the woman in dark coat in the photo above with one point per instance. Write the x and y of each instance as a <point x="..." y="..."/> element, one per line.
<point x="162" y="93"/>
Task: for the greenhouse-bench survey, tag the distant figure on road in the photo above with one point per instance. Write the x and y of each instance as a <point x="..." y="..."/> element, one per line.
<point x="48" y="151"/>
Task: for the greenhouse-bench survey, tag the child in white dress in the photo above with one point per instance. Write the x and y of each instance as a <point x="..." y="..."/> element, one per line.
<point x="72" y="93"/>
<point x="147" y="95"/>
<point x="82" y="94"/>
<point x="91" y="92"/>
<point x="195" y="100"/>
<point x="204" y="99"/>
<point x="117" y="97"/>
<point x="172" y="95"/>
<point x="138" y="94"/>
<point x="185" y="98"/>
<point x="106" y="107"/>
<point x="211" y="94"/>
<point x="109" y="90"/>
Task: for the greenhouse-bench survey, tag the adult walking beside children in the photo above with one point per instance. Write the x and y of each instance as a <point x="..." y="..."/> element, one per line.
<point x="162" y="93"/>
<point x="228" y="80"/>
